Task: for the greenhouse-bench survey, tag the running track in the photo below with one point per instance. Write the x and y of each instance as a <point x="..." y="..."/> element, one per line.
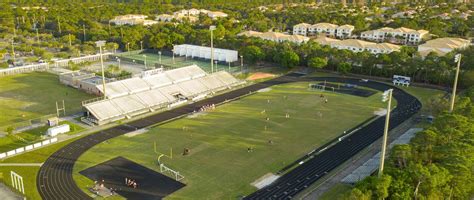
<point x="55" y="182"/>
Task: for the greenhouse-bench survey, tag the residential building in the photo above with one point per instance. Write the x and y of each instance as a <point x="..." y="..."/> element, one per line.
<point x="405" y="14"/>
<point x="165" y="18"/>
<point x="216" y="14"/>
<point x="132" y="20"/>
<point x="301" y="29"/>
<point x="323" y="28"/>
<point x="275" y="36"/>
<point x="358" y="45"/>
<point x="327" y="29"/>
<point x="442" y="46"/>
<point x="344" y="31"/>
<point x="399" y="35"/>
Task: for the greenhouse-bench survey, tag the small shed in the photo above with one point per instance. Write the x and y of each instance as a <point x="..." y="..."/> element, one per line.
<point x="54" y="131"/>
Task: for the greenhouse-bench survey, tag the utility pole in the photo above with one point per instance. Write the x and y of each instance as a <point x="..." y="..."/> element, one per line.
<point x="457" y="59"/>
<point x="387" y="96"/>
<point x="100" y="44"/>
<point x="212" y="28"/>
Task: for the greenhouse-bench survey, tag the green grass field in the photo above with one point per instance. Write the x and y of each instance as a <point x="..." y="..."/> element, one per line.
<point x="28" y="96"/>
<point x="10" y="142"/>
<point x="42" y="154"/>
<point x="219" y="166"/>
<point x="153" y="59"/>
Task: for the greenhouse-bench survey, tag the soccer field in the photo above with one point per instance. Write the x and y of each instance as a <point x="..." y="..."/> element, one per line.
<point x="167" y="61"/>
<point x="219" y="165"/>
<point x="32" y="95"/>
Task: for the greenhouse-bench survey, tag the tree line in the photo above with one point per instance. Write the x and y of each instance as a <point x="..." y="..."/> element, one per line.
<point x="438" y="162"/>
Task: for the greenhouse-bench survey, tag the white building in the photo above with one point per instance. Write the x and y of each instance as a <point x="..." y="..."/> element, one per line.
<point x="224" y="55"/>
<point x="301" y="29"/>
<point x="165" y="18"/>
<point x="326" y="29"/>
<point x="323" y="28"/>
<point x="442" y="46"/>
<point x="176" y="17"/>
<point x="216" y="14"/>
<point x="399" y="35"/>
<point x="132" y="20"/>
<point x="344" y="31"/>
<point x="276" y="37"/>
<point x="358" y="45"/>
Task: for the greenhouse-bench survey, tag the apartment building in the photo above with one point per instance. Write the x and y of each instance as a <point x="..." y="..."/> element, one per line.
<point x="442" y="46"/>
<point x="327" y="29"/>
<point x="399" y="35"/>
<point x="301" y="29"/>
<point x="132" y="20"/>
<point x="275" y="36"/>
<point x="355" y="45"/>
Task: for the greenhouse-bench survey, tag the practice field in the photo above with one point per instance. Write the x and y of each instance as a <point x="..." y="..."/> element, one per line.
<point x="167" y="61"/>
<point x="32" y="95"/>
<point x="278" y="125"/>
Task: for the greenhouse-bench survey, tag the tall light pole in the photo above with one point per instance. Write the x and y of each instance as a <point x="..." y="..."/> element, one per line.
<point x="212" y="28"/>
<point x="145" y="61"/>
<point x="100" y="44"/>
<point x="159" y="52"/>
<point x="457" y="59"/>
<point x="241" y="64"/>
<point x="59" y="26"/>
<point x="13" y="51"/>
<point x="84" y="31"/>
<point x="387" y="96"/>
<point x="173" y="56"/>
<point x="118" y="60"/>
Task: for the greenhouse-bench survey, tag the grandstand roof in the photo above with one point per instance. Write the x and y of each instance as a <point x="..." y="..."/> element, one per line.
<point x="137" y="95"/>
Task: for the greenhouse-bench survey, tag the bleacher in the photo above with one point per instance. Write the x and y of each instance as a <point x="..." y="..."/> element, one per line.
<point x="134" y="96"/>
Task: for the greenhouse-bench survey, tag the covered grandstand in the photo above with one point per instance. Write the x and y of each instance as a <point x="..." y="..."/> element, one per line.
<point x="134" y="96"/>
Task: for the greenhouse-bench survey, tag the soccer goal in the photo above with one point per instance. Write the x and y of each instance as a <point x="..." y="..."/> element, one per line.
<point x="175" y="174"/>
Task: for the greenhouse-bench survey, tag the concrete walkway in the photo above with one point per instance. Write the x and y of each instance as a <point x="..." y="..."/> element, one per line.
<point x="7" y="194"/>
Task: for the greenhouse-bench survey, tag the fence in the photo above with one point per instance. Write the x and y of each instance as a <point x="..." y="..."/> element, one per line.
<point x="28" y="148"/>
<point x="45" y="66"/>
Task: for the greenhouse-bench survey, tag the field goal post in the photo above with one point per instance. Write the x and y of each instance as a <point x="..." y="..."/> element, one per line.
<point x="163" y="168"/>
<point x="17" y="182"/>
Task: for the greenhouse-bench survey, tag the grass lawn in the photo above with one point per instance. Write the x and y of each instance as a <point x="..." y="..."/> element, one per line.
<point x="10" y="142"/>
<point x="219" y="166"/>
<point x="336" y="192"/>
<point x="32" y="95"/>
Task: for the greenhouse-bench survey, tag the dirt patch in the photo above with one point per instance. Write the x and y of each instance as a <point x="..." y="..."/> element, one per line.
<point x="260" y="75"/>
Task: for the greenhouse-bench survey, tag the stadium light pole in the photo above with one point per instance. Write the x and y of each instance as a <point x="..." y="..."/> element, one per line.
<point x="457" y="59"/>
<point x="387" y="96"/>
<point x="212" y="28"/>
<point x="100" y="44"/>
